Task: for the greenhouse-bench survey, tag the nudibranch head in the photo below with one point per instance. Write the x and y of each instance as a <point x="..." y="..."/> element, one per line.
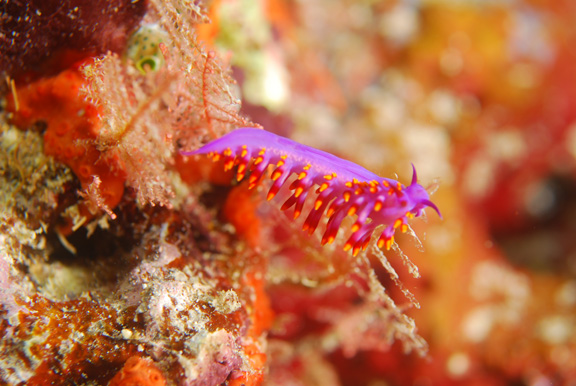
<point x="340" y="188"/>
<point x="419" y="197"/>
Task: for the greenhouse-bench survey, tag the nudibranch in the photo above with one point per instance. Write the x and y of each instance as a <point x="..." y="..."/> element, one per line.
<point x="342" y="188"/>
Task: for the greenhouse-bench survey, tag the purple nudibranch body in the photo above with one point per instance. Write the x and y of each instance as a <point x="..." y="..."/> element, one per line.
<point x="343" y="187"/>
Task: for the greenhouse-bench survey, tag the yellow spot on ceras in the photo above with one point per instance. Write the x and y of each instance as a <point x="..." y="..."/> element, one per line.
<point x="307" y="167"/>
<point x="378" y="206"/>
<point x="410" y="215"/>
<point x="277" y="173"/>
<point x="323" y="187"/>
<point x="229" y="164"/>
<point x="373" y="186"/>
<point x="260" y="157"/>
<point x="346" y="196"/>
<point x="302" y="175"/>
<point x="297" y="213"/>
<point x="282" y="160"/>
<point x="330" y="211"/>
<point x="352" y="210"/>
<point x="398" y="223"/>
<point x="356" y="227"/>
<point x="330" y="177"/>
<point x="241" y="171"/>
<point x="318" y="204"/>
<point x="328" y="240"/>
<point x="252" y="181"/>
<point x="244" y="151"/>
<point x="387" y="243"/>
<point x="299" y="191"/>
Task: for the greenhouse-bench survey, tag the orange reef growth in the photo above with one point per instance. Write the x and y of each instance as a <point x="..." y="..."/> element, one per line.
<point x="138" y="372"/>
<point x="72" y="125"/>
<point x="177" y="297"/>
<point x="66" y="341"/>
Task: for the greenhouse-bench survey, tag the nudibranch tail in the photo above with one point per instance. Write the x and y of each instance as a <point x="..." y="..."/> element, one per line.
<point x="340" y="188"/>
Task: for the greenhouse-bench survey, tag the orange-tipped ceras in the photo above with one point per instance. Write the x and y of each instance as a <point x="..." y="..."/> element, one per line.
<point x="341" y="187"/>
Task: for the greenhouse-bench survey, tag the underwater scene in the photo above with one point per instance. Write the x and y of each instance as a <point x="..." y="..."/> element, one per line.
<point x="287" y="192"/>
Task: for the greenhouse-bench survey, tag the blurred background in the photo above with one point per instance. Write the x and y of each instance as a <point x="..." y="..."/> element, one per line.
<point x="481" y="97"/>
